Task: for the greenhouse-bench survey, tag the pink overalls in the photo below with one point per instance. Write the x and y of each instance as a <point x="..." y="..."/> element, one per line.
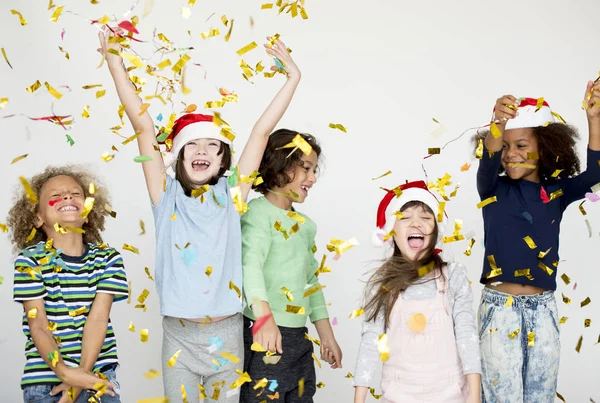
<point x="423" y="365"/>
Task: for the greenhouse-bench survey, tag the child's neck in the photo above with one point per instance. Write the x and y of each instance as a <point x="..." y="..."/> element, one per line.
<point x="71" y="243"/>
<point x="279" y="200"/>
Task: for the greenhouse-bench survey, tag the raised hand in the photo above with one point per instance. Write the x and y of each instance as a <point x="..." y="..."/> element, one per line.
<point x="105" y="36"/>
<point x="506" y="108"/>
<point x="592" y="99"/>
<point x="279" y="50"/>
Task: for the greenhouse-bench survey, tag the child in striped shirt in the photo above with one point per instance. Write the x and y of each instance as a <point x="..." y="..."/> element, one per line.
<point x="66" y="279"/>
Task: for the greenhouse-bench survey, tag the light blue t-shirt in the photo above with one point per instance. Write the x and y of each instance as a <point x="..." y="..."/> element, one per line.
<point x="187" y="286"/>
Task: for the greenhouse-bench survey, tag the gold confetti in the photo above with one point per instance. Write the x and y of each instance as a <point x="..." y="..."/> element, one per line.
<point x="78" y="311"/>
<point x="564" y="319"/>
<point x="424" y="270"/>
<point x="34" y="87"/>
<point x="340" y="246"/>
<point x="53" y="91"/>
<point x="143" y="296"/>
<point x="144" y="335"/>
<point x="152" y="374"/>
<point x="514" y="334"/>
<point x="299" y="142"/>
<point x="556" y="194"/>
<point x="320" y="385"/>
<point x="578" y="347"/>
<point x="381" y="176"/>
<point x="243" y="378"/>
<point x="266" y="6"/>
<point x="180" y="63"/>
<point x="29" y="193"/>
<point x="496" y="271"/>
<point x="56" y="14"/>
<point x="257" y="347"/>
<point x="316" y="341"/>
<point x="521" y="165"/>
<point x="543" y="254"/>
<point x="433" y="151"/>
<point x="587" y="323"/>
<point x="382" y="346"/>
<point x="200" y="191"/>
<point x="487" y="201"/>
<point x="173" y="360"/>
<point x="54" y="357"/>
<point x="3" y="102"/>
<point x="32" y="313"/>
<point x="389" y="235"/>
<point x="524" y="273"/>
<point x="565" y="299"/>
<point x="210" y="33"/>
<point x="338" y="127"/>
<point x="22" y="20"/>
<point x="509" y="301"/>
<point x="131" y="327"/>
<point x="312" y="290"/>
<point x="440" y="212"/>
<point x="349" y="376"/>
<point x="530" y="242"/>
<point x="52" y="326"/>
<point x="232" y="286"/>
<point x="356" y="313"/>
<point x="496" y="133"/>
<point x="100" y="94"/>
<point x="230" y="357"/>
<point x="228" y="35"/>
<point x="530" y="339"/>
<point x="375" y="396"/>
<point x="288" y="294"/>
<point x="585" y="302"/>
<point x="86" y="112"/>
<point x="565" y="278"/>
<point x="299" y="218"/>
<point x="417" y="322"/>
<point x="297" y="310"/>
<point x="247" y="48"/>
<point x="465" y="167"/>
<point x="545" y="268"/>
<point x="479" y="150"/>
<point x="471" y="243"/>
<point x="19" y="158"/>
<point x="557" y="172"/>
<point x="301" y="387"/>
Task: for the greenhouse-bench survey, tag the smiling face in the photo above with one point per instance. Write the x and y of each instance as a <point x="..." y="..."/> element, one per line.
<point x="414" y="232"/>
<point x="304" y="177"/>
<point x="202" y="160"/>
<point x="517" y="144"/>
<point x="61" y="200"/>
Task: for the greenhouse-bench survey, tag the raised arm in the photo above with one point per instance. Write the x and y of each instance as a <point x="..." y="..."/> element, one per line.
<point x="154" y="170"/>
<point x="592" y="96"/>
<point x="255" y="147"/>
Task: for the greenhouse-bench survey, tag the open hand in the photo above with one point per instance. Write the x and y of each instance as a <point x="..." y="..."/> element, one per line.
<point x="106" y="43"/>
<point x="592" y="98"/>
<point x="279" y="50"/>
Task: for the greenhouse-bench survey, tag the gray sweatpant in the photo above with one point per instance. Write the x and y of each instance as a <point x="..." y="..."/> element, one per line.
<point x="200" y="346"/>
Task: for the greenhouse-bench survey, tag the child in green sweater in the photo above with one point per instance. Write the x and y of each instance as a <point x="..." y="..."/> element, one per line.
<point x="279" y="273"/>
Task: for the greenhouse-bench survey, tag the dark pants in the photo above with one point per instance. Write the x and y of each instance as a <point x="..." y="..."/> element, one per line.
<point x="296" y="363"/>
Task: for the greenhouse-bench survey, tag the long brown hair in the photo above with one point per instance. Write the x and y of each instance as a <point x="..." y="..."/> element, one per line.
<point x="186" y="183"/>
<point x="397" y="273"/>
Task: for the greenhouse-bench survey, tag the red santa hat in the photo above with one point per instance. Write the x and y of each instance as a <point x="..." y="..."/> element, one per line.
<point x="533" y="112"/>
<point x="190" y="127"/>
<point x="392" y="203"/>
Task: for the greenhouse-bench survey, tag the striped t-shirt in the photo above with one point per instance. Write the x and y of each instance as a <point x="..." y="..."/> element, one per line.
<point x="68" y="286"/>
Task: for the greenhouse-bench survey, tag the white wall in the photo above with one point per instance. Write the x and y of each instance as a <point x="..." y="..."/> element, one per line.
<point x="381" y="68"/>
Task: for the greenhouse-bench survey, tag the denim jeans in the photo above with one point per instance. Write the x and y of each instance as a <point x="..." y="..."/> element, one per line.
<point x="41" y="393"/>
<point x="520" y="347"/>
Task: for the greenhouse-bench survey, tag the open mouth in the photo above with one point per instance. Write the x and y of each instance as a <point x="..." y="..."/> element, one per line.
<point x="200" y="165"/>
<point x="68" y="207"/>
<point x="305" y="190"/>
<point x="416" y="241"/>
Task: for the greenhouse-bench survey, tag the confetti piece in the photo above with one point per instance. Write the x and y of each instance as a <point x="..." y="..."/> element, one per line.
<point x="288" y="294"/>
<point x="240" y="381"/>
<point x="142" y="158"/>
<point x="232" y="286"/>
<point x="564" y="319"/>
<point x="19" y="158"/>
<point x="299" y="142"/>
<point x="417" y="322"/>
<point x="22" y="20"/>
<point x="144" y="335"/>
<point x="230" y="357"/>
<point x="86" y="112"/>
<point x="522" y="165"/>
<point x="585" y="302"/>
<point x="530" y="339"/>
<point x="338" y="127"/>
<point x="173" y="360"/>
<point x="340" y="246"/>
<point x="375" y="396"/>
<point x="471" y="243"/>
<point x="152" y="374"/>
<point x="29" y="193"/>
<point x="180" y="63"/>
<point x="133" y="60"/>
<point x="90" y="86"/>
<point x="34" y="87"/>
<point x="465" y="167"/>
<point x="587" y="323"/>
<point x="32" y="313"/>
<point x="313" y="290"/>
<point x="131" y="248"/>
<point x="381" y="176"/>
<point x="56" y="14"/>
<point x="100" y="94"/>
<point x="565" y="299"/>
<point x="509" y="301"/>
<point x="54" y="357"/>
<point x="579" y="343"/>
<point x="496" y="133"/>
<point x="433" y="151"/>
<point x="530" y="242"/>
<point x="6" y="59"/>
<point x="545" y="268"/>
<point x="382" y="346"/>
<point x="128" y="26"/>
<point x="210" y="33"/>
<point x="247" y="48"/>
<point x="200" y="191"/>
<point x="228" y="35"/>
<point x="301" y="387"/>
<point x="514" y="334"/>
<point x="266" y="6"/>
<point x="356" y="313"/>
<point x="479" y="150"/>
<point x="533" y="156"/>
<point x="297" y="310"/>
<point x="487" y="201"/>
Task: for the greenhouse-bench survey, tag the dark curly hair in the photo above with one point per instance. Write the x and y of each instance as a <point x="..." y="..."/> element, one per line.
<point x="277" y="165"/>
<point x="556" y="149"/>
<point x="22" y="216"/>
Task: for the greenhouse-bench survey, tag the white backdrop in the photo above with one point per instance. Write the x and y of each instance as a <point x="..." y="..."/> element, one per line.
<point x="383" y="69"/>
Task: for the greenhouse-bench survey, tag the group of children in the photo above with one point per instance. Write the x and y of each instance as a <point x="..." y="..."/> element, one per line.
<point x="419" y="317"/>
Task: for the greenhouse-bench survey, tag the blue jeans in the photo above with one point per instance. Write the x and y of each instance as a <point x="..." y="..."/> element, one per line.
<point x="520" y="347"/>
<point x="41" y="393"/>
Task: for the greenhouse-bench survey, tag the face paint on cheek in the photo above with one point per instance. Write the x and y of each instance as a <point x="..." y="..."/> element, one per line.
<point x="52" y="203"/>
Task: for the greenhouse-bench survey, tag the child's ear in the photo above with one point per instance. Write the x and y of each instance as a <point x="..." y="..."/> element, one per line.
<point x="39" y="221"/>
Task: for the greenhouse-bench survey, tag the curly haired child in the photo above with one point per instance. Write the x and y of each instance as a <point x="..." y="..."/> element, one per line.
<point x="71" y="346"/>
<point x="529" y="175"/>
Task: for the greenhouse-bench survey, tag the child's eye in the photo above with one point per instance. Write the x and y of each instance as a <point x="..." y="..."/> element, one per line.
<point x="213" y="144"/>
<point x="521" y="146"/>
<point x="191" y="143"/>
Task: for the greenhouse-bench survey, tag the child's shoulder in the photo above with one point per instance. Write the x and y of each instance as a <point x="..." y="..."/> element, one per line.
<point x="455" y="268"/>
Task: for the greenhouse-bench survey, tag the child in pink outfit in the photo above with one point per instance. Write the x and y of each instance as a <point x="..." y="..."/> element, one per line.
<point x="419" y="310"/>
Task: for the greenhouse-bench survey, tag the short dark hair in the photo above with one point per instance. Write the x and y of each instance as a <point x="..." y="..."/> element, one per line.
<point x="556" y="149"/>
<point x="186" y="183"/>
<point x="277" y="164"/>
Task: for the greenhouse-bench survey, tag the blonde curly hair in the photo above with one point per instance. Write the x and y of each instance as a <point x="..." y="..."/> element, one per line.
<point x="22" y="216"/>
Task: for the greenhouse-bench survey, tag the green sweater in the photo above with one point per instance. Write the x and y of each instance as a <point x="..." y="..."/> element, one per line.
<point x="270" y="262"/>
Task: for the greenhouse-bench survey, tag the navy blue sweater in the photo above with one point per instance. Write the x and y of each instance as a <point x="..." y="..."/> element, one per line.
<point x="520" y="212"/>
